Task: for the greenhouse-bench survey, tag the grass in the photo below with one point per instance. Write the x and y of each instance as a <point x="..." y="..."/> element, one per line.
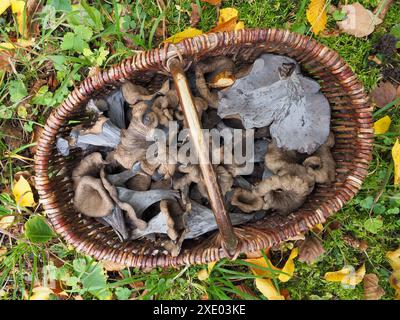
<point x="104" y="34"/>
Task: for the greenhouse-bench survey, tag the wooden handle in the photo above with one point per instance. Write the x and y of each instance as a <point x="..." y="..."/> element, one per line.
<point x="229" y="239"/>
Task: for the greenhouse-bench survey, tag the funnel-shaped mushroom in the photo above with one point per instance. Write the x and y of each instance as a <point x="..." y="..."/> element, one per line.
<point x="134" y="93"/>
<point x="283" y="194"/>
<point x="141" y="200"/>
<point x="322" y="165"/>
<point x="91" y="198"/>
<point x="103" y="133"/>
<point x="215" y="68"/>
<point x="116" y="109"/>
<point x="199" y="220"/>
<point x="246" y="200"/>
<point x="89" y="166"/>
<point x="116" y="221"/>
<point x="136" y="139"/>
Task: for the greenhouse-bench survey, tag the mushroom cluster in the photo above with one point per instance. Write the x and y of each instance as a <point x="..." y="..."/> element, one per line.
<point x="141" y="184"/>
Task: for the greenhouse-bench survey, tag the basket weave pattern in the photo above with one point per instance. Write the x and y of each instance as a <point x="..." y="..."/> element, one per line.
<point x="351" y="123"/>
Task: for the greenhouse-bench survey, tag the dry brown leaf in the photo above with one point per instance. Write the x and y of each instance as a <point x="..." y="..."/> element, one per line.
<point x="112" y="266"/>
<point x="194" y="15"/>
<point x="12" y="134"/>
<point x="383" y="94"/>
<point x="310" y="250"/>
<point x="32" y="7"/>
<point x="213" y="2"/>
<point x="3" y="251"/>
<point x="359" y="21"/>
<point x="372" y="289"/>
<point x="5" y="57"/>
<point x="245" y="289"/>
<point x="354" y="242"/>
<point x="37" y="131"/>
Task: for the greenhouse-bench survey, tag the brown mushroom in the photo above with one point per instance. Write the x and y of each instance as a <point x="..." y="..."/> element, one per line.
<point x="139" y="182"/>
<point x="116" y="221"/>
<point x="281" y="161"/>
<point x="192" y="174"/>
<point x="164" y="106"/>
<point x="212" y="66"/>
<point x="91" y="199"/>
<point x="247" y="200"/>
<point x="224" y="178"/>
<point x="283" y="194"/>
<point x="284" y="162"/>
<point x="135" y="139"/>
<point x="89" y="166"/>
<point x="134" y="93"/>
<point x="322" y="165"/>
<point x="130" y="211"/>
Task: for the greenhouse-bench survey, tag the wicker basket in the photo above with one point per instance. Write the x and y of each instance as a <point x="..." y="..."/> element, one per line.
<point x="351" y="123"/>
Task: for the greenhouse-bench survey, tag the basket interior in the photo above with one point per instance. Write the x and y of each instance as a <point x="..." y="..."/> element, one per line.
<point x="350" y="121"/>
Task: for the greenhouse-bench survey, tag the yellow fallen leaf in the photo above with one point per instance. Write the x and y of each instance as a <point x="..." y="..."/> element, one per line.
<point x="316" y="15"/>
<point x="6" y="222"/>
<point x="228" y="21"/>
<point x="18" y="7"/>
<point x="346" y="276"/>
<point x="205" y="273"/>
<point x="239" y="26"/>
<point x="227" y="14"/>
<point x="13" y="45"/>
<point x="382" y="125"/>
<point x="288" y="268"/>
<point x="4" y="5"/>
<point x="226" y="26"/>
<point x="3" y="251"/>
<point x="318" y="228"/>
<point x="268" y="289"/>
<point x="187" y="33"/>
<point x="396" y="160"/>
<point x="23" y="193"/>
<point x="393" y="258"/>
<point x="261" y="262"/>
<point x="41" y="293"/>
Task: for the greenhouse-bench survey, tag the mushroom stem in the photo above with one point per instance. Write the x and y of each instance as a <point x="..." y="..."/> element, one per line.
<point x="230" y="241"/>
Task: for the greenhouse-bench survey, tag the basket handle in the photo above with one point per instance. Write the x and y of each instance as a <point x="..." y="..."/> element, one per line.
<point x="229" y="239"/>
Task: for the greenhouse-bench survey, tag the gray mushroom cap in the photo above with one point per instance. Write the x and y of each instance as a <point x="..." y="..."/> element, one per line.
<point x="298" y="114"/>
<point x="199" y="220"/>
<point x="141" y="200"/>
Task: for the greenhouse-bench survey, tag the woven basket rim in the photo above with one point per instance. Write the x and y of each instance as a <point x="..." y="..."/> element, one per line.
<point x="157" y="59"/>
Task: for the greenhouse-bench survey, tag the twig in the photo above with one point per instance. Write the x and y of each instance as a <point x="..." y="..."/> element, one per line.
<point x="382" y="8"/>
